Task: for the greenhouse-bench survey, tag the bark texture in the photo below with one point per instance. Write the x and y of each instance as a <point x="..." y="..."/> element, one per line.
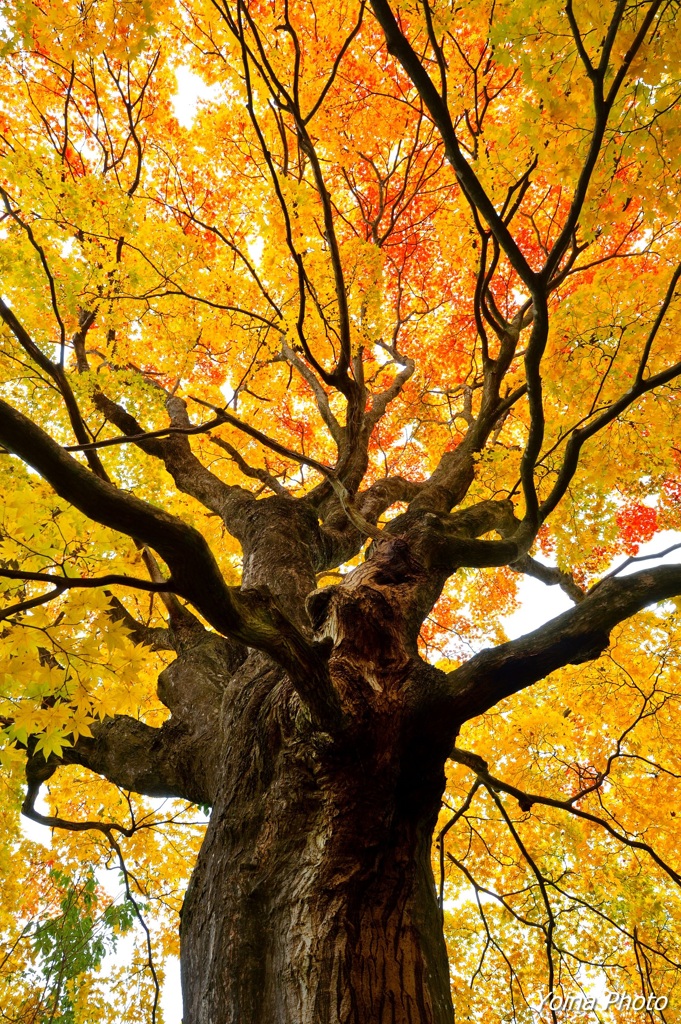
<point x="313" y="899"/>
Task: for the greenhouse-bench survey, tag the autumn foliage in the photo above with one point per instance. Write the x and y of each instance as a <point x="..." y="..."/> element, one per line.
<point x="247" y="228"/>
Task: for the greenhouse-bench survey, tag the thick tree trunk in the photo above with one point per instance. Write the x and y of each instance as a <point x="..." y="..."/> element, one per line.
<point x="313" y="899"/>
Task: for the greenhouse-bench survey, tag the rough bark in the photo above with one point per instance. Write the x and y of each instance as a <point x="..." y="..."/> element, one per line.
<point x="313" y="898"/>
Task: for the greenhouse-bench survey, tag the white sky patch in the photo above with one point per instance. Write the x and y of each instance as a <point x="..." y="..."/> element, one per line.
<point x="255" y="248"/>
<point x="171" y="993"/>
<point x="519" y="296"/>
<point x="191" y="89"/>
<point x="539" y="603"/>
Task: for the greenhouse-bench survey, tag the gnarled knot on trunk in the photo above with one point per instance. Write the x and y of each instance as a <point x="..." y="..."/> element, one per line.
<point x="317" y="605"/>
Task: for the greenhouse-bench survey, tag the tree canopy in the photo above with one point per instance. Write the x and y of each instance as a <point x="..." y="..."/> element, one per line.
<point x="400" y="291"/>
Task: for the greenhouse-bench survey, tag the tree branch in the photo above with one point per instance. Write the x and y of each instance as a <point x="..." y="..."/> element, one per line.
<point x="400" y="47"/>
<point x="255" y="474"/>
<point x="526" y="800"/>
<point x="165" y="762"/>
<point x="57" y="374"/>
<point x="62" y="583"/>
<point x="549" y="575"/>
<point x="250" y="616"/>
<point x="171" y="446"/>
<point x="157" y="638"/>
<point x="576" y="636"/>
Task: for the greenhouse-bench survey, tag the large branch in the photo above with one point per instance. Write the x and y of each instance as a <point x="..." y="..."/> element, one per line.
<point x="158" y="638"/>
<point x="56" y="372"/>
<point x="188" y="472"/>
<point x="181" y="546"/>
<point x="445" y="543"/>
<point x="341" y="539"/>
<point x="449" y="483"/>
<point x="640" y="387"/>
<point x="250" y="616"/>
<point x="576" y="636"/>
<point x="166" y="762"/>
<point x="175" y="760"/>
<point x="549" y="575"/>
<point x="400" y="47"/>
<point x="181" y="758"/>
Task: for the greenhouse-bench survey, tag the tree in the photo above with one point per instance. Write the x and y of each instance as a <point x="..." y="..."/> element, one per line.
<point x="294" y="394"/>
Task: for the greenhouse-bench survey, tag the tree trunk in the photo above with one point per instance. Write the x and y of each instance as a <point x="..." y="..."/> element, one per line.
<point x="313" y="900"/>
